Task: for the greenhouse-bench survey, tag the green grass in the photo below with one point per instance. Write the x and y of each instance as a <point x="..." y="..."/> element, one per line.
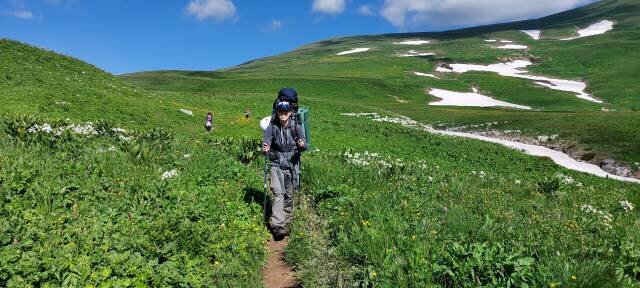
<point x="442" y="211"/>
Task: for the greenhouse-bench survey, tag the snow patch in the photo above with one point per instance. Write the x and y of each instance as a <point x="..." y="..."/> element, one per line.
<point x="506" y="41"/>
<point x="451" y="98"/>
<point x="188" y="112"/>
<point x="355" y="50"/>
<point x="414" y="53"/>
<point x="413" y="42"/>
<point x="593" y="29"/>
<point x="512" y="69"/>
<point x="558" y="157"/>
<point x="513" y="46"/>
<point x="535" y="34"/>
<point x="426" y="75"/>
<point x="490" y="40"/>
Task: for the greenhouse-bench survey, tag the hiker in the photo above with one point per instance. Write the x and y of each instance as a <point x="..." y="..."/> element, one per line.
<point x="283" y="142"/>
<point x="208" y="121"/>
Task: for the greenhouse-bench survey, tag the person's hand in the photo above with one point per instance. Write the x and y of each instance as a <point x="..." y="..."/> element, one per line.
<point x="265" y="148"/>
<point x="300" y="143"/>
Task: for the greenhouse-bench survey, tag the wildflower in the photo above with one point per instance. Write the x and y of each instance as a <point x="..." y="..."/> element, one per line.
<point x="574" y="278"/>
<point x="626" y="205"/>
<point x="365" y="223"/>
<point x="373" y="274"/>
<point x="552" y="285"/>
<point x="518" y="182"/>
<point x="222" y="226"/>
<point x="413" y="237"/>
<point x="169" y="174"/>
<point x="125" y="138"/>
<point x="186" y="156"/>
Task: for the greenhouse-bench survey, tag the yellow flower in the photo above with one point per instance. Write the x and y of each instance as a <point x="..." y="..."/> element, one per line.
<point x="216" y="263"/>
<point x="413" y="237"/>
<point x="365" y="223"/>
<point x="552" y="285"/>
<point x="374" y="274"/>
<point x="222" y="226"/>
<point x="574" y="278"/>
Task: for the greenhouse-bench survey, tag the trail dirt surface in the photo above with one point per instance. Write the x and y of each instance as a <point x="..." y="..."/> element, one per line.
<point x="276" y="273"/>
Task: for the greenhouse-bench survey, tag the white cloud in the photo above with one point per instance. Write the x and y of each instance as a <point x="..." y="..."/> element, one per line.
<point x="22" y="14"/>
<point x="328" y="6"/>
<point x="365" y="10"/>
<point x="459" y="13"/>
<point x="216" y="9"/>
<point x="273" y="25"/>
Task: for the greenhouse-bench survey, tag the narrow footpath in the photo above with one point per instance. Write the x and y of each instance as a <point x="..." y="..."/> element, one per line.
<point x="276" y="273"/>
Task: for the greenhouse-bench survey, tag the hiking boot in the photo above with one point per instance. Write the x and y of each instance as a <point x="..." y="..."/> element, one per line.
<point x="279" y="233"/>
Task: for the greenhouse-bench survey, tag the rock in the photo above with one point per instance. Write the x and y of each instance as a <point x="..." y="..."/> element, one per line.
<point x="612" y="167"/>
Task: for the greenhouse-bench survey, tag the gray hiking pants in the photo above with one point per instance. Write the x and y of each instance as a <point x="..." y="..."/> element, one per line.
<point x="282" y="190"/>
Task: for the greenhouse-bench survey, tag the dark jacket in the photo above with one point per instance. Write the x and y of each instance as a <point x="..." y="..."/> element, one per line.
<point x="284" y="151"/>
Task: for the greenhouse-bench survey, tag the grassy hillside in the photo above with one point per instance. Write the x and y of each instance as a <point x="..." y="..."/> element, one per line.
<point x="606" y="62"/>
<point x="164" y="204"/>
<point x="149" y="204"/>
<point x="431" y="211"/>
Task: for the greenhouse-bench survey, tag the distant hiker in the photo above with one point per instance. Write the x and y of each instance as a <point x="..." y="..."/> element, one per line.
<point x="247" y="113"/>
<point x="208" y="121"/>
<point x="283" y="143"/>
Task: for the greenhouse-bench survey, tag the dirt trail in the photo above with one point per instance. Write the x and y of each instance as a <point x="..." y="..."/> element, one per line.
<point x="276" y="273"/>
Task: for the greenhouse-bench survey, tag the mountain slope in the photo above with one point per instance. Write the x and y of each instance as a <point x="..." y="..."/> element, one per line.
<point x="380" y="79"/>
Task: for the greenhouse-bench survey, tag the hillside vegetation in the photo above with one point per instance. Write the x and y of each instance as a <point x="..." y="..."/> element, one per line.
<point x="142" y="197"/>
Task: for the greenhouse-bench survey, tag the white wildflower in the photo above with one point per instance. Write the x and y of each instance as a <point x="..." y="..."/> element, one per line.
<point x="566" y="179"/>
<point x="109" y="149"/>
<point x="518" y="182"/>
<point x="605" y="217"/>
<point x="83" y="129"/>
<point x="188" y="112"/>
<point x="626" y="205"/>
<point x="169" y="174"/>
<point x="125" y="138"/>
<point x="118" y="130"/>
<point x="186" y="156"/>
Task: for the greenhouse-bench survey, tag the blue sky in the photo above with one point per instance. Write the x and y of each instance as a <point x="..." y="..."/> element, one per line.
<point x="123" y="36"/>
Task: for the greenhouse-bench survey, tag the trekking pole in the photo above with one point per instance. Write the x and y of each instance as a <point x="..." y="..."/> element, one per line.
<point x="264" y="201"/>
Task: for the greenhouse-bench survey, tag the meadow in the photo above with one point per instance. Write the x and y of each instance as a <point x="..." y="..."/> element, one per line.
<point x="112" y="182"/>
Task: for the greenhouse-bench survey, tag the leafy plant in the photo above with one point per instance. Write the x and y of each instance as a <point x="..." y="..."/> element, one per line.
<point x="549" y="186"/>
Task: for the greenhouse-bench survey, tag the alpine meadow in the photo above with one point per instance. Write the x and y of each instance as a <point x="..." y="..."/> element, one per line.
<point x="424" y="167"/>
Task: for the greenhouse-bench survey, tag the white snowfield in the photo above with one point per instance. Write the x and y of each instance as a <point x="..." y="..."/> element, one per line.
<point x="506" y="41"/>
<point x="413" y="42"/>
<point x="513" y="46"/>
<point x="535" y="34"/>
<point x="414" y="53"/>
<point x="426" y="75"/>
<point x="558" y="157"/>
<point x="594" y="29"/>
<point x="451" y="98"/>
<point x="355" y="50"/>
<point x="512" y="69"/>
<point x="490" y="40"/>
